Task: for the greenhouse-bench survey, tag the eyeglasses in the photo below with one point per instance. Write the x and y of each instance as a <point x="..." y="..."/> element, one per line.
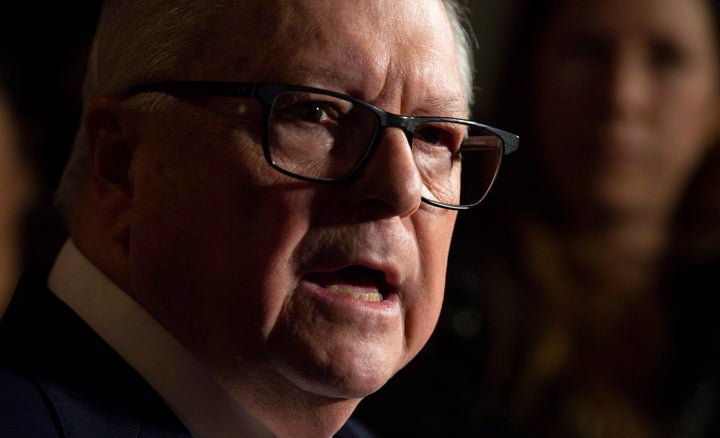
<point x="326" y="137"/>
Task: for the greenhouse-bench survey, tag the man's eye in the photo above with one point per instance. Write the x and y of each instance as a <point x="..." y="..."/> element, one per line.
<point x="309" y="112"/>
<point x="435" y="136"/>
<point x="429" y="135"/>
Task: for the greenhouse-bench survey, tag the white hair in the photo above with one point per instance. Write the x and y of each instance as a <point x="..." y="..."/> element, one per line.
<point x="143" y="40"/>
<point x="465" y="43"/>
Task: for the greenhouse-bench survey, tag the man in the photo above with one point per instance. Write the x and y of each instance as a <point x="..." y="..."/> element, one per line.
<point x="260" y="254"/>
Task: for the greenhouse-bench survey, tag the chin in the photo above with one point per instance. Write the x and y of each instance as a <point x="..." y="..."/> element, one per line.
<point x="353" y="373"/>
<point x="347" y="385"/>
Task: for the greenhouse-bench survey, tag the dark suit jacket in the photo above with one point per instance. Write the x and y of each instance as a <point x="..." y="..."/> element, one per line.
<point x="59" y="378"/>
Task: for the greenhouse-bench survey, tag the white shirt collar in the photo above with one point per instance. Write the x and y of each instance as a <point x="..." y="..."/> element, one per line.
<point x="203" y="406"/>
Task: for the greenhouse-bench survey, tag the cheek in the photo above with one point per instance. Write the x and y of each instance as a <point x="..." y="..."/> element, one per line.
<point x="434" y="236"/>
<point x="686" y="127"/>
<point x="210" y="244"/>
<point x="219" y="271"/>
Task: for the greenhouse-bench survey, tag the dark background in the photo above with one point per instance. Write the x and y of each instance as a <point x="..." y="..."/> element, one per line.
<point x="43" y="53"/>
<point x="43" y="47"/>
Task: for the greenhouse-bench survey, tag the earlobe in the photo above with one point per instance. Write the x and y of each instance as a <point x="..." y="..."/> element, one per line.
<point x="109" y="132"/>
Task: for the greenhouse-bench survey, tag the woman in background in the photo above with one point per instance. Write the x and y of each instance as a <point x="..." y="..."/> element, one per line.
<point x="15" y="196"/>
<point x="583" y="294"/>
<point x="602" y="318"/>
<point x="42" y="63"/>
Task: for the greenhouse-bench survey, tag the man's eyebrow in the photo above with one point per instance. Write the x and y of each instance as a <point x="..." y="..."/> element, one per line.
<point x="444" y="106"/>
<point x="450" y="105"/>
<point x="300" y="75"/>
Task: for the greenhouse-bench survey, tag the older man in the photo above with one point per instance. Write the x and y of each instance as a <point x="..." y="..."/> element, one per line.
<point x="257" y="236"/>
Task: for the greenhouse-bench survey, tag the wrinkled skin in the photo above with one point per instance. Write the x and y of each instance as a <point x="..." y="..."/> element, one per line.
<point x="234" y="258"/>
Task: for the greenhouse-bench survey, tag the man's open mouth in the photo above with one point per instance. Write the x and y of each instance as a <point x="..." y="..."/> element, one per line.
<point x="356" y="281"/>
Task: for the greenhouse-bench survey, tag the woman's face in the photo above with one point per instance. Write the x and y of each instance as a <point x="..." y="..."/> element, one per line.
<point x="627" y="101"/>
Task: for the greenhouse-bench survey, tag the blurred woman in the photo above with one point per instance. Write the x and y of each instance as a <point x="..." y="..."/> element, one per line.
<point x="15" y="197"/>
<point x="599" y="323"/>
<point x="583" y="294"/>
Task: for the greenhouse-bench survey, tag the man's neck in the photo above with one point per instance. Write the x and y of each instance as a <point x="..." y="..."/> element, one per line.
<point x="178" y="377"/>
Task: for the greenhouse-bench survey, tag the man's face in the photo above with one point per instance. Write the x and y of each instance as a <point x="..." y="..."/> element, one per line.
<point x="264" y="277"/>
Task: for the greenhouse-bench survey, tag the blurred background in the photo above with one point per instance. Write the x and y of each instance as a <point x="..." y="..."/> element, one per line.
<point x="43" y="46"/>
<point x="540" y="334"/>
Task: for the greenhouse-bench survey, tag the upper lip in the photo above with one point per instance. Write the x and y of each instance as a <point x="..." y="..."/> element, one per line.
<point x="327" y="263"/>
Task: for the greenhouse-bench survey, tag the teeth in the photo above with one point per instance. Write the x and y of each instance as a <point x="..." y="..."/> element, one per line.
<point x="372" y="296"/>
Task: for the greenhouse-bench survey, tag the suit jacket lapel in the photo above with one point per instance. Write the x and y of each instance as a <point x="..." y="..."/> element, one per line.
<point x="90" y="388"/>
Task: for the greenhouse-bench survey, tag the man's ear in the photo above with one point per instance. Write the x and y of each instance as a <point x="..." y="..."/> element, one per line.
<point x="111" y="136"/>
<point x="111" y="143"/>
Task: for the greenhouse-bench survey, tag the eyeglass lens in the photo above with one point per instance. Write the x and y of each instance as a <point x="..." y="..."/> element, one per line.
<point x="325" y="137"/>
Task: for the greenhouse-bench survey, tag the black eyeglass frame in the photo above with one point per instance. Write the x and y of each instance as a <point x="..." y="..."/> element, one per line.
<point x="266" y="92"/>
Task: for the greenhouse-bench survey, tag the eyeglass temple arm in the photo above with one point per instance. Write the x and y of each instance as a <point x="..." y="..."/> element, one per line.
<point x="511" y="142"/>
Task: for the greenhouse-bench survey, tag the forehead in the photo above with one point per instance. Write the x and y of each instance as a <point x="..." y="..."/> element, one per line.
<point x="367" y="48"/>
<point x="681" y="20"/>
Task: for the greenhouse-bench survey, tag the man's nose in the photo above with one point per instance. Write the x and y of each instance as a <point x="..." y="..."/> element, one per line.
<point x="390" y="183"/>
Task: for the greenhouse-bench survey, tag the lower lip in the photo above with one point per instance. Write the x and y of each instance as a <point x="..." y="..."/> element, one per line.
<point x="389" y="306"/>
